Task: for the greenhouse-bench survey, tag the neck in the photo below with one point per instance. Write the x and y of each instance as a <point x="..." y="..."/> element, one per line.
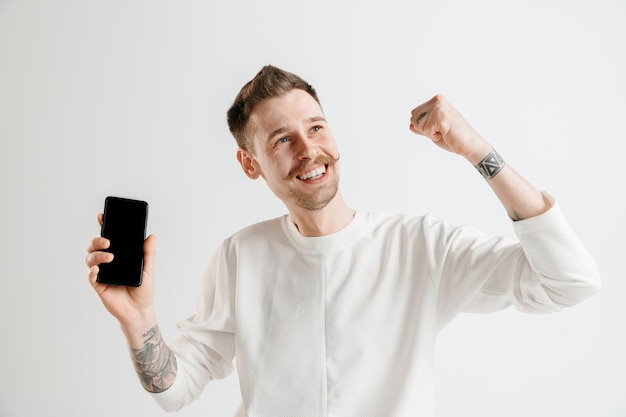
<point x="331" y="219"/>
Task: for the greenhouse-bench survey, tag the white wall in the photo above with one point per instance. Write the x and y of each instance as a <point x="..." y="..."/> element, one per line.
<point x="129" y="98"/>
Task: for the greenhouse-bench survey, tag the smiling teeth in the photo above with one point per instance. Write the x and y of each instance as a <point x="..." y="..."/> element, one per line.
<point x="316" y="173"/>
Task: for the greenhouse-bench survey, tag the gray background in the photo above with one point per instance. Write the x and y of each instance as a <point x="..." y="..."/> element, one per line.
<point x="129" y="98"/>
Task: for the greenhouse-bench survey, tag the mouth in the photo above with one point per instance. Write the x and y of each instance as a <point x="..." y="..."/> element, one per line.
<point x="313" y="174"/>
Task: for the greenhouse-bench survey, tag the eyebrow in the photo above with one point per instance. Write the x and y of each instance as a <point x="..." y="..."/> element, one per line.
<point x="283" y="129"/>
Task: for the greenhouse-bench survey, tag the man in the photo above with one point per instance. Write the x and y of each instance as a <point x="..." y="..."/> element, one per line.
<point x="331" y="311"/>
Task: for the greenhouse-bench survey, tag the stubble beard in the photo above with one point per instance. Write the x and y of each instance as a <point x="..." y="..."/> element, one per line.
<point x="318" y="200"/>
<point x="321" y="198"/>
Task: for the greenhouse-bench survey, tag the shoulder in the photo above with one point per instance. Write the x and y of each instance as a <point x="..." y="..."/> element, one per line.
<point x="264" y="231"/>
<point x="260" y="228"/>
<point x="427" y="227"/>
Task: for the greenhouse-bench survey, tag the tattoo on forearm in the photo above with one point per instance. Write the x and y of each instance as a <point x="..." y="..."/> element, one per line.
<point x="490" y="165"/>
<point x="155" y="363"/>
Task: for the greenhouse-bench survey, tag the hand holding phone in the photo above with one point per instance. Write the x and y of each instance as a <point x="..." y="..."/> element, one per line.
<point x="124" y="225"/>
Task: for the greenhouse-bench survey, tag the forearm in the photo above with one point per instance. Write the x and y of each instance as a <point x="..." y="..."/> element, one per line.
<point x="154" y="362"/>
<point x="438" y="120"/>
<point x="520" y="199"/>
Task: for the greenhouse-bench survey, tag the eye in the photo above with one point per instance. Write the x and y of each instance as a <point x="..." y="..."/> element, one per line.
<point x="316" y="128"/>
<point x="283" y="140"/>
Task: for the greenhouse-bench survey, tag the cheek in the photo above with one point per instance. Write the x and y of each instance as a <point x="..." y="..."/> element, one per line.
<point x="331" y="150"/>
<point x="275" y="169"/>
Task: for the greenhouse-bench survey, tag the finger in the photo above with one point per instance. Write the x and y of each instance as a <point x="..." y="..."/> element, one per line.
<point x="100" y="219"/>
<point x="419" y="120"/>
<point x="98" y="243"/>
<point x="430" y="123"/>
<point x="93" y="280"/>
<point x="419" y="116"/>
<point x="97" y="258"/>
<point x="93" y="275"/>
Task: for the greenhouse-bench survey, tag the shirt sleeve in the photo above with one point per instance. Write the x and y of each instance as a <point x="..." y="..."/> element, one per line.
<point x="206" y="347"/>
<point x="546" y="270"/>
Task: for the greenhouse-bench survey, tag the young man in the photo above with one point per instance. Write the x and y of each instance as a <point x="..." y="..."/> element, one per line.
<point x="332" y="311"/>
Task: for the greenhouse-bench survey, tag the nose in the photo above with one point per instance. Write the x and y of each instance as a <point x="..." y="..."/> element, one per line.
<point x="306" y="148"/>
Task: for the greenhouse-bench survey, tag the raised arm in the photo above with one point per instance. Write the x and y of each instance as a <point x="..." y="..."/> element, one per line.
<point x="133" y="307"/>
<point x="438" y="120"/>
<point x="549" y="270"/>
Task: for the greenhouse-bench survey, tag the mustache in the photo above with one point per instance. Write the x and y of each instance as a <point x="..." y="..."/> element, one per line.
<point x="304" y="165"/>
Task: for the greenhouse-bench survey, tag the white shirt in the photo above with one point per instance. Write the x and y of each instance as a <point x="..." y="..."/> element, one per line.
<point x="345" y="324"/>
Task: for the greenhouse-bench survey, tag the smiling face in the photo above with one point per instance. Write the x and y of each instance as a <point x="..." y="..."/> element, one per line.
<point x="294" y="151"/>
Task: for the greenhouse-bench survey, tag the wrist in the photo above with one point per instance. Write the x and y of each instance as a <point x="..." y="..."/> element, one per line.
<point x="477" y="152"/>
<point x="490" y="165"/>
<point x="135" y="329"/>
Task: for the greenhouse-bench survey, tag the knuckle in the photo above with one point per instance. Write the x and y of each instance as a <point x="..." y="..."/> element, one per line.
<point x="89" y="260"/>
<point x="97" y="258"/>
<point x="101" y="243"/>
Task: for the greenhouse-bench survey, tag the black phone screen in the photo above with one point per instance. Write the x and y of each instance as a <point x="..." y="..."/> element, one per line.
<point x="124" y="224"/>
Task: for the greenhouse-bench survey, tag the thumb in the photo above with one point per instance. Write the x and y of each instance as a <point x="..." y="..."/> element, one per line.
<point x="149" y="252"/>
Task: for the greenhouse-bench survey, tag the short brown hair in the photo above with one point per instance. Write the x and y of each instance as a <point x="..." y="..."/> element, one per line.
<point x="270" y="82"/>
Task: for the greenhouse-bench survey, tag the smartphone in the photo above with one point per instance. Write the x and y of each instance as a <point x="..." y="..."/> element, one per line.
<point x="124" y="224"/>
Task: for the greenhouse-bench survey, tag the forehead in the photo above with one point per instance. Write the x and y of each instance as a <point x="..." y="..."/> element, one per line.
<point x="282" y="112"/>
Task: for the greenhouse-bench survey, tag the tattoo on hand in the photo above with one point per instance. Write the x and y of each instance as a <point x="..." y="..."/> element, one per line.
<point x="155" y="363"/>
<point x="420" y="117"/>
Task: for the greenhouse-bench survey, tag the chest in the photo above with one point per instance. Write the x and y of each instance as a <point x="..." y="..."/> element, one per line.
<point x="311" y="323"/>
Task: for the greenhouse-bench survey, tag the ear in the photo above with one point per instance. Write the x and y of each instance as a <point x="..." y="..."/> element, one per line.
<point x="248" y="164"/>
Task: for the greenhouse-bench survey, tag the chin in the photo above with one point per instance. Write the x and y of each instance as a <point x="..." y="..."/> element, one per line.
<point x="315" y="202"/>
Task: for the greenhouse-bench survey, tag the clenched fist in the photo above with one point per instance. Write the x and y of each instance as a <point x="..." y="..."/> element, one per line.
<point x="439" y="121"/>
